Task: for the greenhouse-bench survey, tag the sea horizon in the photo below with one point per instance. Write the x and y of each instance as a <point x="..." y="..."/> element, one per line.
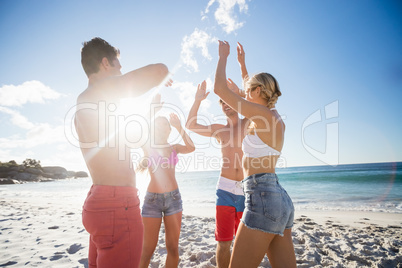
<point x="323" y="165"/>
<point x="375" y="187"/>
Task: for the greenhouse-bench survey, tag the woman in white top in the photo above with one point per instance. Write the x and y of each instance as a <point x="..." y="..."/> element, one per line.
<point x="268" y="217"/>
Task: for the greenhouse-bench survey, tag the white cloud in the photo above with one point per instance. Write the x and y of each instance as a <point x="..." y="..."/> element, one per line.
<point x="5" y="155"/>
<point x="45" y="134"/>
<point x="8" y="155"/>
<point x="38" y="135"/>
<point x="198" y="39"/>
<point x="37" y="142"/>
<point x="41" y="141"/>
<point x="225" y="14"/>
<point x="186" y="93"/>
<point x="17" y="119"/>
<point x="69" y="158"/>
<point x="30" y="91"/>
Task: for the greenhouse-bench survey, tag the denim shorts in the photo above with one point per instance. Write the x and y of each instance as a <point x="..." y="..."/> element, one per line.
<point x="268" y="206"/>
<point x="157" y="205"/>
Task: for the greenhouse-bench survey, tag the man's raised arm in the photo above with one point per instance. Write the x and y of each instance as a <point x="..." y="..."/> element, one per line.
<point x="192" y="123"/>
<point x="141" y="80"/>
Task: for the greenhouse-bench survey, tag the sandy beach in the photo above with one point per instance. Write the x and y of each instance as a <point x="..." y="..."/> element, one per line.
<point x="51" y="235"/>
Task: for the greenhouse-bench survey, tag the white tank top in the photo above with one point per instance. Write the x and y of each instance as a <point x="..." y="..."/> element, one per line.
<point x="253" y="146"/>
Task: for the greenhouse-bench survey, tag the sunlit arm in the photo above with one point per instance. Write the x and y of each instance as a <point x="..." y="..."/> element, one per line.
<point x="192" y="119"/>
<point x="154" y="107"/>
<point x="191" y="122"/>
<point x="193" y="125"/>
<point x="141" y="80"/>
<point x="241" y="58"/>
<point x="252" y="111"/>
<point x="189" y="145"/>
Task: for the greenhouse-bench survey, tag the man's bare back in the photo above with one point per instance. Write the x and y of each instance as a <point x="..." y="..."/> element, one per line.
<point x="106" y="154"/>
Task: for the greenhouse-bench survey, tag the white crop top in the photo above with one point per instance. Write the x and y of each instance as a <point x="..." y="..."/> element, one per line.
<point x="253" y="146"/>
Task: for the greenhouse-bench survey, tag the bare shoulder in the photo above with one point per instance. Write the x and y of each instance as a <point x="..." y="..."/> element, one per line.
<point x="87" y="105"/>
<point x="82" y="96"/>
<point x="245" y="122"/>
<point x="279" y="121"/>
<point x="283" y="124"/>
<point x="85" y="96"/>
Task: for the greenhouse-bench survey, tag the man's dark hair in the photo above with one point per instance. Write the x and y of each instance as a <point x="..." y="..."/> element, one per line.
<point x="94" y="51"/>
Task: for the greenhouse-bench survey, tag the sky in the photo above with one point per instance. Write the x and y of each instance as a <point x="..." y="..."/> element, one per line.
<point x="338" y="64"/>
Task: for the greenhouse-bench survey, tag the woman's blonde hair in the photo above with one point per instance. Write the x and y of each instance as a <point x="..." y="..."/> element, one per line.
<point x="142" y="164"/>
<point x="269" y="87"/>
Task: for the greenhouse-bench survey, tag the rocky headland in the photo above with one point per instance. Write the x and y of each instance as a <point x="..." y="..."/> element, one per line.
<point x="12" y="173"/>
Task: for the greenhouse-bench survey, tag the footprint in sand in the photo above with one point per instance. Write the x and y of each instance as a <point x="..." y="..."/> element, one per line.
<point x="8" y="263"/>
<point x="84" y="262"/>
<point x="194" y="238"/>
<point x="74" y="248"/>
<point x="57" y="256"/>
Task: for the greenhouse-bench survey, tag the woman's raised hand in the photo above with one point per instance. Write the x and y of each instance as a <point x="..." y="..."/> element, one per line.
<point x="224" y="49"/>
<point x="241" y="55"/>
<point x="174" y="121"/>
<point x="233" y="87"/>
<point x="156" y="103"/>
<point x="201" y="93"/>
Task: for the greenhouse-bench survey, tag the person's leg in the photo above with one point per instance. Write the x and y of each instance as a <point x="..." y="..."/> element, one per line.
<point x="172" y="235"/>
<point x="223" y="253"/>
<point x="225" y="224"/>
<point x="240" y="206"/>
<point x="151" y="235"/>
<point x="237" y="220"/>
<point x="92" y="254"/>
<point x="99" y="223"/>
<point x="232" y="216"/>
<point x="136" y="235"/>
<point x="250" y="247"/>
<point x="281" y="252"/>
<point x="224" y="231"/>
<point x="125" y="245"/>
<point x="87" y="221"/>
<point x="111" y="215"/>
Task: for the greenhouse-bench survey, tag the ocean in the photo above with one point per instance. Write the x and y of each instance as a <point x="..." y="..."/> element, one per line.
<point x="358" y="187"/>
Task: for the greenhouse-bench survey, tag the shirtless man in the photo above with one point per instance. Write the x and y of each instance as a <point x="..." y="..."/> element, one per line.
<point x="111" y="212"/>
<point x="229" y="193"/>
